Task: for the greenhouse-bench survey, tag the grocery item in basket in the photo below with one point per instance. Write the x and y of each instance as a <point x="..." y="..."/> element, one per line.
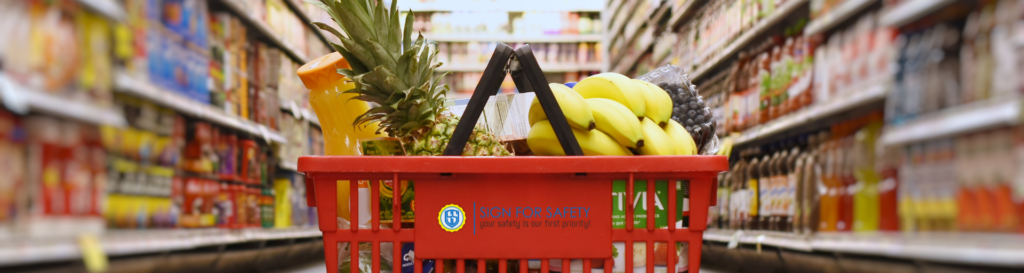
<point x="390" y="72"/>
<point x="689" y="108"/>
<point x="365" y="253"/>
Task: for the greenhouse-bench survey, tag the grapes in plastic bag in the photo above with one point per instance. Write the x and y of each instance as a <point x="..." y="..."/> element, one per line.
<point x="688" y="107"/>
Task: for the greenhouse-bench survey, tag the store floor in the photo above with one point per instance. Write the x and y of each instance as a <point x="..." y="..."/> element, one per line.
<point x="319" y="268"/>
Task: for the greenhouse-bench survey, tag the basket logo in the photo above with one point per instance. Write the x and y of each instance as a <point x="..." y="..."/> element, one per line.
<point x="451" y="218"/>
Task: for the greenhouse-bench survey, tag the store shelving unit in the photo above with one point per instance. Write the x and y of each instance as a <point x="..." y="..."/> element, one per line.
<point x="300" y="113"/>
<point x="547" y="67"/>
<point x="125" y="83"/>
<point x="554" y="38"/>
<point x="264" y="30"/>
<point x="972" y="117"/>
<point x="521" y="6"/>
<point x="20" y="251"/>
<point x="964" y="248"/>
<point x="110" y="9"/>
<point x="296" y="7"/>
<point x="620" y="21"/>
<point x="837" y="15"/>
<point x="22" y="100"/>
<point x="911" y="10"/>
<point x="748" y="36"/>
<point x="872" y="91"/>
<point x="631" y="35"/>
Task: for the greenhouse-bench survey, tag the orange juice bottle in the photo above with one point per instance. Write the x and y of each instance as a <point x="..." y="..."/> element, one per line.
<point x="829" y="199"/>
<point x="1001" y="157"/>
<point x="336" y="112"/>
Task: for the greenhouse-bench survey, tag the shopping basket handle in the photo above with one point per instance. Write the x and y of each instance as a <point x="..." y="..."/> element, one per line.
<point x="528" y="77"/>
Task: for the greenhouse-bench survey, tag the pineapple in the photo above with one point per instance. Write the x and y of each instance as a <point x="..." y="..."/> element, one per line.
<point x="393" y="73"/>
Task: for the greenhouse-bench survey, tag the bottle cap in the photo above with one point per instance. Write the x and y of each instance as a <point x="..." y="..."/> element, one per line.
<point x="322" y="72"/>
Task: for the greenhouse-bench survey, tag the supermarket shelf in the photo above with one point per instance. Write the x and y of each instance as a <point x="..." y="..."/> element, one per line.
<point x="630" y="61"/>
<point x="20" y="251"/>
<point x="263" y="29"/>
<point x="110" y="9"/>
<point x="300" y="113"/>
<point x="910" y="11"/>
<point x="297" y="8"/>
<point x="772" y="238"/>
<point x="748" y="36"/>
<point x="130" y="85"/>
<point x="957" y="120"/>
<point x="521" y="6"/>
<point x="22" y="100"/>
<point x="624" y="63"/>
<point x="683" y="11"/>
<point x="547" y="67"/>
<point x="841" y="13"/>
<point x="554" y="38"/>
<point x="964" y="248"/>
<point x="876" y="91"/>
<point x="288" y="165"/>
<point x="620" y="23"/>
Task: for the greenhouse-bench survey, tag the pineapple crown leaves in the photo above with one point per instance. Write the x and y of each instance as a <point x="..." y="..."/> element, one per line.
<point x="391" y="71"/>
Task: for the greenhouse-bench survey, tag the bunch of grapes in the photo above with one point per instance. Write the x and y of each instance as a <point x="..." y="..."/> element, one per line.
<point x="690" y="111"/>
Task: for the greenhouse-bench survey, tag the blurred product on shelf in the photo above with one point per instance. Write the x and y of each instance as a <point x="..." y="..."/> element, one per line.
<point x="852" y="57"/>
<point x="530" y="23"/>
<point x="63" y="51"/>
<point x="947" y="65"/>
<point x="819" y="181"/>
<point x="164" y="169"/>
<point x="478" y="53"/>
<point x="721" y="21"/>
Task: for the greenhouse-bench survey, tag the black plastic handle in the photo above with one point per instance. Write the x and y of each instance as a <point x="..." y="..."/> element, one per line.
<point x="528" y="77"/>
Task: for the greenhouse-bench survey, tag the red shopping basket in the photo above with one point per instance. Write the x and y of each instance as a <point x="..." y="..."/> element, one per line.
<point x="524" y="207"/>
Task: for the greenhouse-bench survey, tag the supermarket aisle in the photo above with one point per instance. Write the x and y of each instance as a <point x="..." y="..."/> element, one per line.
<point x="313" y="267"/>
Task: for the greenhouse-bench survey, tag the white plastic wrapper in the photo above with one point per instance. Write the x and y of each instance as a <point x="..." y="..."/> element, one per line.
<point x="689" y="108"/>
<point x="365" y="253"/>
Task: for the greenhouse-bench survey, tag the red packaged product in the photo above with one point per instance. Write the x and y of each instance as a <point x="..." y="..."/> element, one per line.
<point x="253" y="206"/>
<point x="242" y="215"/>
<point x="193" y="206"/>
<point x="224" y="209"/>
<point x="249" y="165"/>
<point x="210" y="190"/>
<point x="46" y="165"/>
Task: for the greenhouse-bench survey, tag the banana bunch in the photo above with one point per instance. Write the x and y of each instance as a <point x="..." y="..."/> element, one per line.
<point x="611" y="114"/>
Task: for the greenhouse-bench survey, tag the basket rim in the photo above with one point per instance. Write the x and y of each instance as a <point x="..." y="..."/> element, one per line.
<point x="709" y="164"/>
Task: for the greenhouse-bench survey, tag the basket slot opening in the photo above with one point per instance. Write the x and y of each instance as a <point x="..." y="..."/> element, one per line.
<point x="446" y="174"/>
<point x="581" y="174"/>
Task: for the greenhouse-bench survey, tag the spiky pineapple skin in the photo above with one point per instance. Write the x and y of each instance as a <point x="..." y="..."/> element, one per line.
<point x="481" y="143"/>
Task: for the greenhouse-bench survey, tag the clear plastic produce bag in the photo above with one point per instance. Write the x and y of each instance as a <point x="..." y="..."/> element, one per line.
<point x="365" y="253"/>
<point x="689" y="108"/>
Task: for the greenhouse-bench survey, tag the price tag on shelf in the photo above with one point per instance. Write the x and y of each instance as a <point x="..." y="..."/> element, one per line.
<point x="735" y="240"/>
<point x="760" y="238"/>
<point x="93" y="256"/>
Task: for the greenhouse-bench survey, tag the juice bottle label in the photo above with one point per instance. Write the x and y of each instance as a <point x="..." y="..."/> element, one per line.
<point x="752" y="197"/>
<point x="381" y="146"/>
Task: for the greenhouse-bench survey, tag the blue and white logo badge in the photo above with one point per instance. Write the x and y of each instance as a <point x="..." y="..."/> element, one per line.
<point x="451" y="218"/>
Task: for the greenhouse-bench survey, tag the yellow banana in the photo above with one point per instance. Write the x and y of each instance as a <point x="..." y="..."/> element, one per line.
<point x="576" y="110"/>
<point x="543" y="141"/>
<point x="680" y="138"/>
<point x="659" y="104"/>
<point x="615" y="87"/>
<point x="656" y="142"/>
<point x="616" y="120"/>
